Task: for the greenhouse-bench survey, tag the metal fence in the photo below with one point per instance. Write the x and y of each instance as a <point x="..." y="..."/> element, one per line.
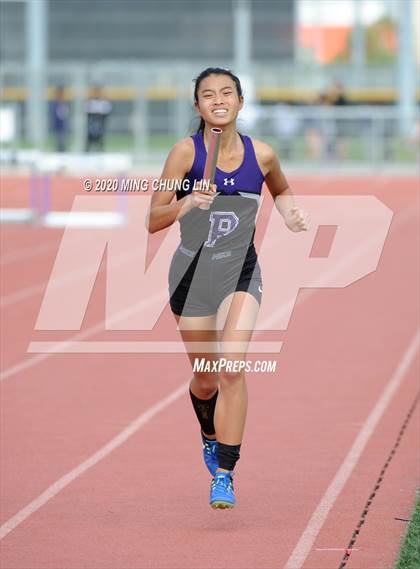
<point x="332" y="135"/>
<point x="154" y="108"/>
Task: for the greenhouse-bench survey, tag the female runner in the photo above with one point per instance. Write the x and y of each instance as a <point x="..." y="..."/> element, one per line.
<point x="215" y="280"/>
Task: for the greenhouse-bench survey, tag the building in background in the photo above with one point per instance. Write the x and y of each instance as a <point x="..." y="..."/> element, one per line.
<point x="150" y="31"/>
<point x="146" y="53"/>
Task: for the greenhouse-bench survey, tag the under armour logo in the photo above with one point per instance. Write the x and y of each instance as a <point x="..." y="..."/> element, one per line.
<point x="230" y="181"/>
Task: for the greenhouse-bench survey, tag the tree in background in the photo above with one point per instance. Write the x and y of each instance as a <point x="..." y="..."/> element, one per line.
<point x="381" y="41"/>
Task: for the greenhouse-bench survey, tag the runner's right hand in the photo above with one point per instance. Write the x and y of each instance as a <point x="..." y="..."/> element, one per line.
<point x="202" y="198"/>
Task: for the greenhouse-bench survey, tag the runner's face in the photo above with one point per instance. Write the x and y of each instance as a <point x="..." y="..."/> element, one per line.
<point x="218" y="102"/>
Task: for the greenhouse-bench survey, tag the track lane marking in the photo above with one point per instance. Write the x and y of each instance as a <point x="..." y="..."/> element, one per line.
<point x="351" y="258"/>
<point x="55" y="488"/>
<point x="317" y="520"/>
<point x="104" y="451"/>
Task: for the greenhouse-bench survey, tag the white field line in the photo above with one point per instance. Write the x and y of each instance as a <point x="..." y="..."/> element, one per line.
<point x="28" y="252"/>
<point x="74" y="276"/>
<point x="104" y="451"/>
<point x="308" y="537"/>
<point x="342" y="265"/>
<point x="310" y="533"/>
<point x="350" y="258"/>
<point x="335" y="549"/>
<point x="119" y="439"/>
<point x="133" y="427"/>
<point x="39" y="288"/>
<point x="158" y="297"/>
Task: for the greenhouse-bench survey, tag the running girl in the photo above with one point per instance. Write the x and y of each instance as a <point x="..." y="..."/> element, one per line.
<point x="215" y="280"/>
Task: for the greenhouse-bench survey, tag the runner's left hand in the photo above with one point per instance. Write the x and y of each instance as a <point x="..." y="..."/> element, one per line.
<point x="297" y="220"/>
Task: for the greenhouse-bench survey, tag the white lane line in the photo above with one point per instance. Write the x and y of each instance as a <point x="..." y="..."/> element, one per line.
<point x="39" y="288"/>
<point x="74" y="276"/>
<point x="351" y="258"/>
<point x="132" y="428"/>
<point x="160" y="297"/>
<point x="118" y="440"/>
<point x="336" y="549"/>
<point x="28" y="252"/>
<point x="104" y="451"/>
<point x="25" y="364"/>
<point x="289" y="305"/>
<point x="23" y="294"/>
<point x="55" y="488"/>
<point x="33" y="251"/>
<point x="36" y="289"/>
<point x="309" y="535"/>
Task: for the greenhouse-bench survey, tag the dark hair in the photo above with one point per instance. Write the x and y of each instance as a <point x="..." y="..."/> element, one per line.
<point x="214" y="71"/>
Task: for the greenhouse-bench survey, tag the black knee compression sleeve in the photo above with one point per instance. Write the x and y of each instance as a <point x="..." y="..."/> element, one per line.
<point x="228" y="455"/>
<point x="204" y="409"/>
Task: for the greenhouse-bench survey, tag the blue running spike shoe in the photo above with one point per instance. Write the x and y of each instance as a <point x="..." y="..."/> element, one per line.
<point x="221" y="491"/>
<point x="210" y="455"/>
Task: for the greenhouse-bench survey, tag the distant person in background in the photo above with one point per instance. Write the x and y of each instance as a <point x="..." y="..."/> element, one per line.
<point x="412" y="141"/>
<point x="319" y="131"/>
<point x="339" y="96"/>
<point x="339" y="99"/>
<point x="60" y="113"/>
<point x="249" y="117"/>
<point x="97" y="108"/>
<point x="286" y="126"/>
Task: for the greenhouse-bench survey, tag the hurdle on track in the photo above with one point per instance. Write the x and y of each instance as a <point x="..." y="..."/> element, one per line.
<point x="40" y="195"/>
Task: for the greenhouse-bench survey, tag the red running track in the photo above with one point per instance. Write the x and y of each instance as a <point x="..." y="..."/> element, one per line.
<point x="349" y="355"/>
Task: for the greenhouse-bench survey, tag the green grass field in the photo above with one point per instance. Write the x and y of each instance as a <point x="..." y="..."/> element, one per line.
<point x="409" y="557"/>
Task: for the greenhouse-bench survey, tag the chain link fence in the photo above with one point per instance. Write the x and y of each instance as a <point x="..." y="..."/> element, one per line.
<point x="152" y="108"/>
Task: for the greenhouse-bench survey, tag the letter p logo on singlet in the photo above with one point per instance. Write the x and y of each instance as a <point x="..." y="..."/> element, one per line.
<point x="222" y="223"/>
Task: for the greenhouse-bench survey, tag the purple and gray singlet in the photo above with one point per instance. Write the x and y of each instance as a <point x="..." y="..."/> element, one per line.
<point x="216" y="255"/>
<point x="230" y="221"/>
